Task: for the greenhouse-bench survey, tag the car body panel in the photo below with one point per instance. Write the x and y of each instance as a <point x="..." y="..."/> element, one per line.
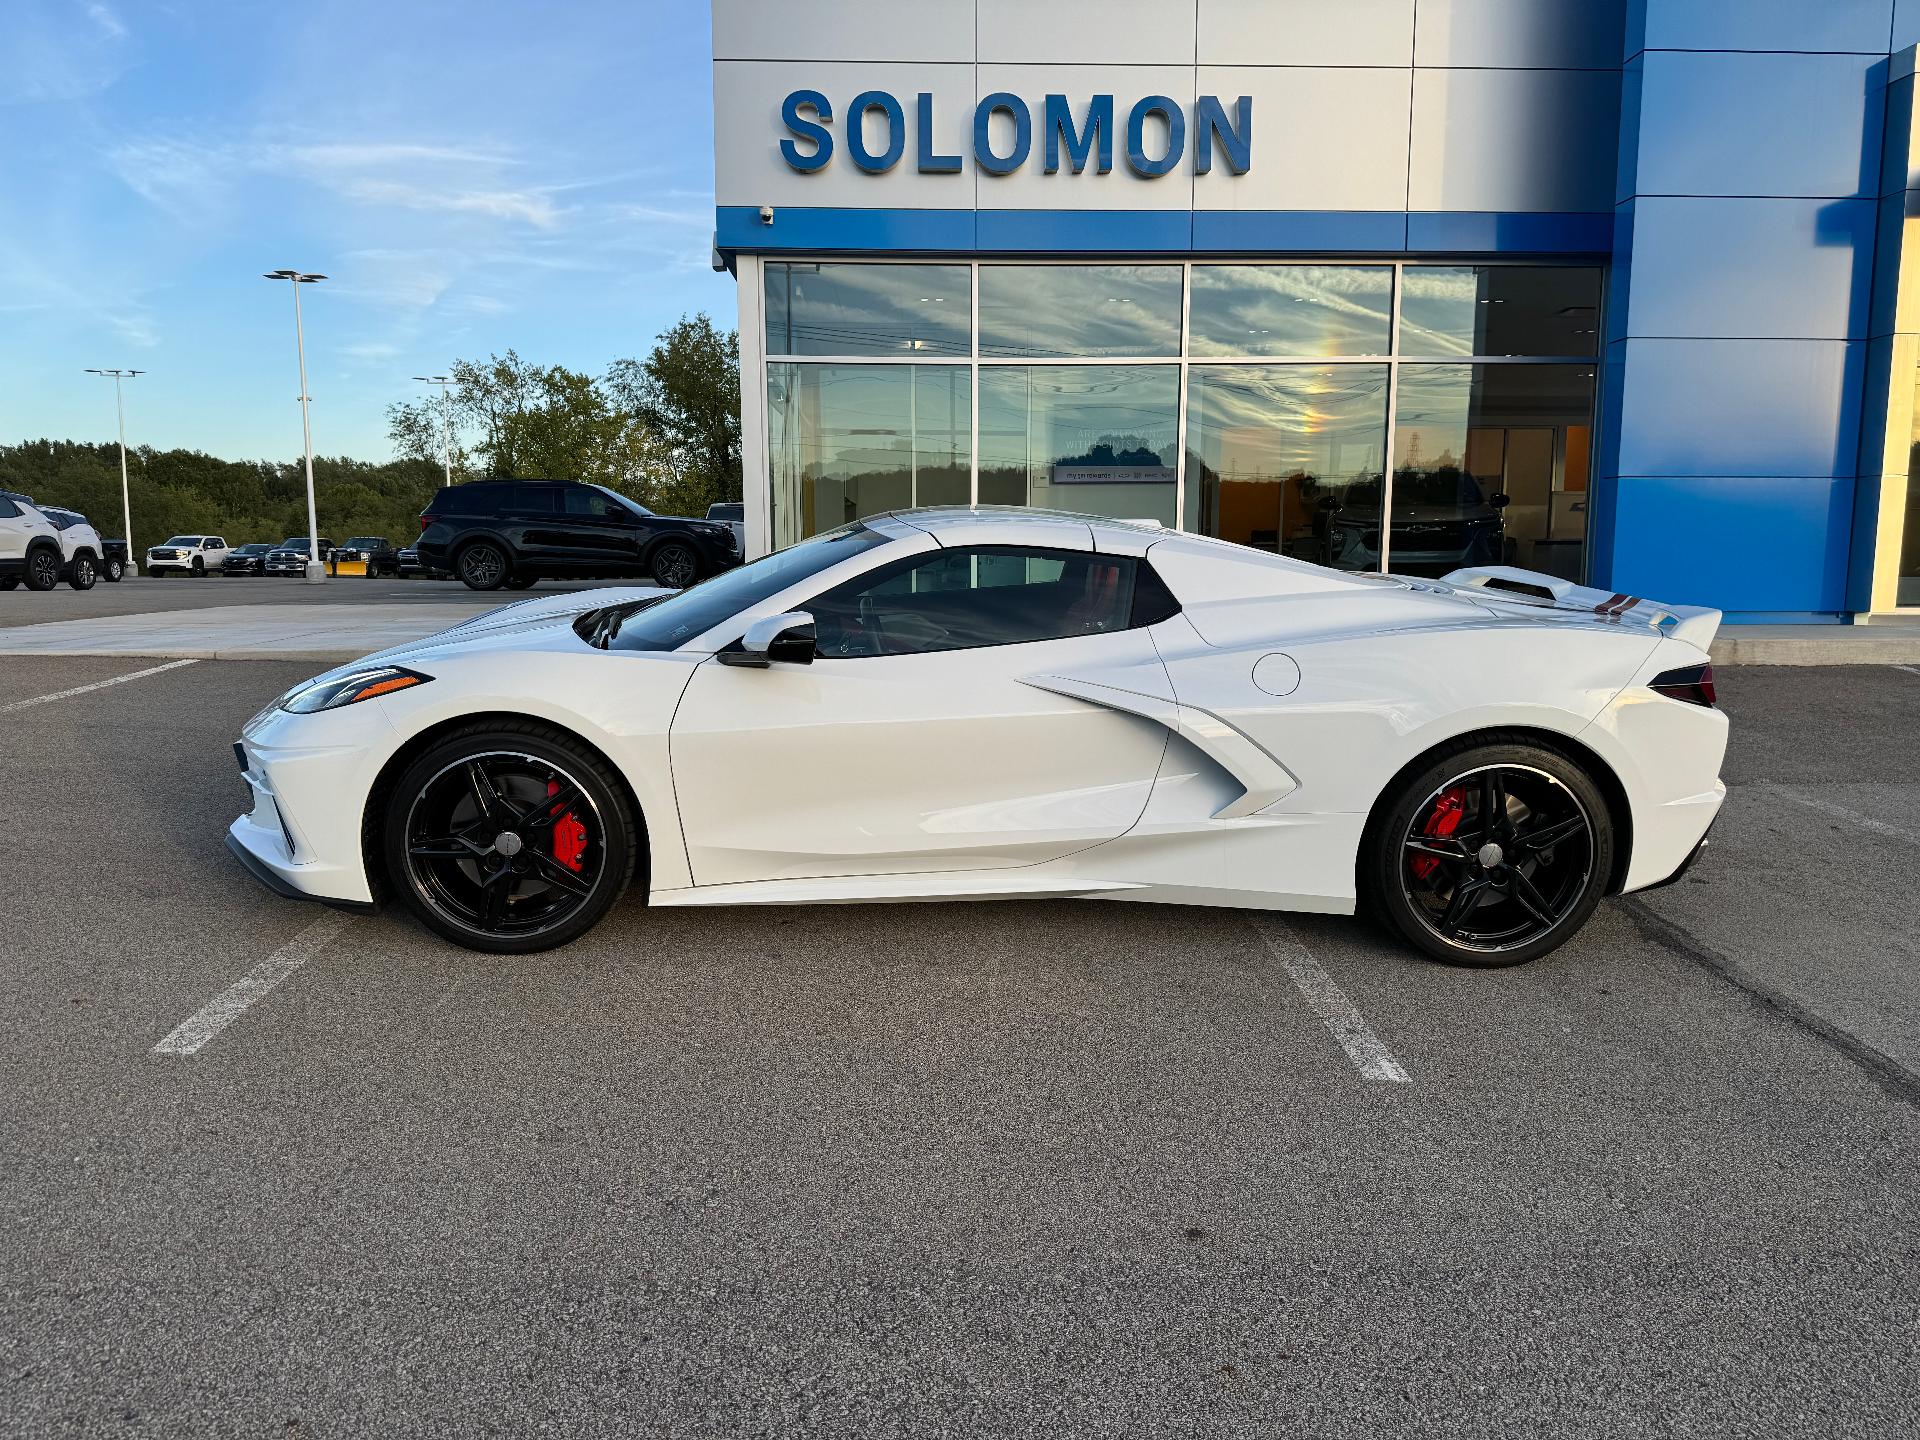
<point x="1229" y="755"/>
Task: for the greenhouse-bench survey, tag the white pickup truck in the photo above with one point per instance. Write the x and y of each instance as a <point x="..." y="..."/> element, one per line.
<point x="189" y="554"/>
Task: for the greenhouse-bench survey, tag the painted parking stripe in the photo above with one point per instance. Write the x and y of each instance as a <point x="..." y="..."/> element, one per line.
<point x="1327" y="1000"/>
<point x="1842" y="812"/>
<point x="1910" y="669"/>
<point x="14" y="705"/>
<point x="226" y="1007"/>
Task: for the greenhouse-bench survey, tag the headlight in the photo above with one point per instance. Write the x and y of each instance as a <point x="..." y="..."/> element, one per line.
<point x="351" y="689"/>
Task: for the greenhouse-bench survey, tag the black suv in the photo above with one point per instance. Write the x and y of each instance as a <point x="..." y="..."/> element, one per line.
<point x="513" y="532"/>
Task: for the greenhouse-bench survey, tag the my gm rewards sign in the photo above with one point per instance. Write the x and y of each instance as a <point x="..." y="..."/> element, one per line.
<point x="1066" y="139"/>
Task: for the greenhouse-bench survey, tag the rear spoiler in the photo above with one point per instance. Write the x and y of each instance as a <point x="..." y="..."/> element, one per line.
<point x="1694" y="624"/>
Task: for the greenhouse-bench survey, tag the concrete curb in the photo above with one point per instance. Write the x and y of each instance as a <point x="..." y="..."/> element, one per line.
<point x="1817" y="645"/>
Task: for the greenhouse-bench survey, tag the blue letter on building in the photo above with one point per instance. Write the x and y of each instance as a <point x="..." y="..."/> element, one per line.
<point x="930" y="163"/>
<point x="1079" y="143"/>
<point x="807" y="130"/>
<point x="1022" y="133"/>
<point x="856" y="131"/>
<point x="1137" y="159"/>
<point x="1210" y="124"/>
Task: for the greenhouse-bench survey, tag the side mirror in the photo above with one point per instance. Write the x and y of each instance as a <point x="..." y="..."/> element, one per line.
<point x="1501" y="500"/>
<point x="788" y="638"/>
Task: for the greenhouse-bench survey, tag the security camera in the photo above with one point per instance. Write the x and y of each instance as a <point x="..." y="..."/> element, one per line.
<point x="766" y="214"/>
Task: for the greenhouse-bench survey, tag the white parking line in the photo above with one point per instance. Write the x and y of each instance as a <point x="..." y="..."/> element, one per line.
<point x="1910" y="669"/>
<point x="1841" y="812"/>
<point x="226" y="1007"/>
<point x="14" y="705"/>
<point x="1330" y="1003"/>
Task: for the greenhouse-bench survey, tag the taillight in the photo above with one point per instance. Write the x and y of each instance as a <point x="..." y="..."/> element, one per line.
<point x="1691" y="683"/>
<point x="425" y="520"/>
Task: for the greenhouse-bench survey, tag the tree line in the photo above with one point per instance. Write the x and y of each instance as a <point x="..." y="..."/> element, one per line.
<point x="664" y="430"/>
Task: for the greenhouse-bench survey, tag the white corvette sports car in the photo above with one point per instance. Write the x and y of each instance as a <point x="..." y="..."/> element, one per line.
<point x="954" y="704"/>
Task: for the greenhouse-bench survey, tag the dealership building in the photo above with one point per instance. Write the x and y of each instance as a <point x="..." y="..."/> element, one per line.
<point x="1625" y="291"/>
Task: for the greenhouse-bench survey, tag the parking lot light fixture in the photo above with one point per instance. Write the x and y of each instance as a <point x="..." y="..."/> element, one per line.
<point x="126" y="503"/>
<point x="316" y="570"/>
<point x="446" y="412"/>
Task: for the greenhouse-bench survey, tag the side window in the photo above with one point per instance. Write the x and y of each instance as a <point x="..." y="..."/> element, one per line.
<point x="965" y="599"/>
<point x="9" y="510"/>
<point x="216" y="543"/>
<point x="531" y="500"/>
<point x="590" y="503"/>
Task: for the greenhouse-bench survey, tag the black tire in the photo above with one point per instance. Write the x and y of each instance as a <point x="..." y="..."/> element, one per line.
<point x="522" y="581"/>
<point x="43" y="569"/>
<point x="483" y="565"/>
<point x="113" y="570"/>
<point x="199" y="568"/>
<point x="450" y="875"/>
<point x="1434" y="872"/>
<point x="82" y="573"/>
<point x="674" y="564"/>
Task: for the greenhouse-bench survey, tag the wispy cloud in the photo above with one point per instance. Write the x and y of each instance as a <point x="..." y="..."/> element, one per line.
<point x="108" y="23"/>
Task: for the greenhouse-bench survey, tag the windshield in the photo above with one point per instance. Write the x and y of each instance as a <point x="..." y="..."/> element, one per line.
<point x="296" y="543"/>
<point x="634" y="505"/>
<point x="1437" y="487"/>
<point x="666" y="624"/>
<point x="365" y="542"/>
<point x="182" y="540"/>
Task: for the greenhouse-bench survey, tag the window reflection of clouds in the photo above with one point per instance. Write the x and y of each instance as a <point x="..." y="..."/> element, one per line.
<point x="827" y="309"/>
<point x="1499" y="310"/>
<point x="1274" y="421"/>
<point x="1307" y="310"/>
<point x="1069" y="310"/>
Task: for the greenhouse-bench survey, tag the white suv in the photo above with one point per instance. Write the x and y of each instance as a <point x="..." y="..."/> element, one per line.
<point x="36" y="550"/>
<point x="189" y="554"/>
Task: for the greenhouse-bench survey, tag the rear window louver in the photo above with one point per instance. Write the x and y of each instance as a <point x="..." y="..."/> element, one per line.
<point x="1519" y="587"/>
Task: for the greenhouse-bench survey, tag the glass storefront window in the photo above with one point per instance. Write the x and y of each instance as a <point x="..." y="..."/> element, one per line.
<point x="1490" y="467"/>
<point x="1304" y="310"/>
<point x="1034" y="311"/>
<point x="1099" y="439"/>
<point x="846" y="441"/>
<point x="1289" y="458"/>
<point x="1499" y="310"/>
<point x="834" y="309"/>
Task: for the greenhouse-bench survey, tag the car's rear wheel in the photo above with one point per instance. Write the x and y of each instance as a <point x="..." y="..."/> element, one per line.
<point x="509" y="838"/>
<point x="675" y="565"/>
<point x="43" y="570"/>
<point x="1493" y="855"/>
<point x="483" y="566"/>
<point x="81" y="574"/>
<point x="114" y="570"/>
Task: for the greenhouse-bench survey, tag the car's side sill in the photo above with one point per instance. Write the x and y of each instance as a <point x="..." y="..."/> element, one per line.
<point x="855" y="889"/>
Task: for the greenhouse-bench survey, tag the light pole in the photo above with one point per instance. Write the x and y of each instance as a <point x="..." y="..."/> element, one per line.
<point x="126" y="503"/>
<point x="316" y="571"/>
<point x="446" y="412"/>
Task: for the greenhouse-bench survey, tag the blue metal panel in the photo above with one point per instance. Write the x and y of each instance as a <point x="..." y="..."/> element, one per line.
<point x="1085" y="231"/>
<point x="1860" y="25"/>
<point x="738" y="227"/>
<point x="1509" y="233"/>
<point x="1620" y="278"/>
<point x="1626" y="170"/>
<point x="1799" y="269"/>
<point x="1906" y="23"/>
<point x="1262" y="232"/>
<point x="1771" y="544"/>
<point x="1725" y="124"/>
<point x="1740" y="407"/>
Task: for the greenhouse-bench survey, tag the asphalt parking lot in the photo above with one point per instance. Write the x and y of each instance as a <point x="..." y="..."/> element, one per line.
<point x="1026" y="1169"/>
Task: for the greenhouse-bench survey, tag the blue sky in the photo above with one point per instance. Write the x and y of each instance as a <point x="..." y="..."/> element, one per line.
<point x="472" y="176"/>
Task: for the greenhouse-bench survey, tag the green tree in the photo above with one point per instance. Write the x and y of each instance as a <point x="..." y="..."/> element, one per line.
<point x="687" y="391"/>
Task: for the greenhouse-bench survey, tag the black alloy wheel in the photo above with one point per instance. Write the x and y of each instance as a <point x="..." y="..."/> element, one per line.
<point x="81" y="574"/>
<point x="509" y="839"/>
<point x="199" y="568"/>
<point x="483" y="566"/>
<point x="1492" y="857"/>
<point x="674" y="565"/>
<point x="43" y="569"/>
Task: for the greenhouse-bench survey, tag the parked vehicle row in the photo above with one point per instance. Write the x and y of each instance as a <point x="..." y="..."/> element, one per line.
<point x="41" y="545"/>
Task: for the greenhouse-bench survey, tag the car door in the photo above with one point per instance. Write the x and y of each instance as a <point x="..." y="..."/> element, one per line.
<point x="13" y="531"/>
<point x="924" y="737"/>
<point x="216" y="550"/>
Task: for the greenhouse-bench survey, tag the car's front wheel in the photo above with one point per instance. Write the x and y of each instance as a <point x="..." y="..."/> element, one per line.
<point x="199" y="568"/>
<point x="509" y="838"/>
<point x="81" y="574"/>
<point x="675" y="565"/>
<point x="1493" y="855"/>
<point x="483" y="566"/>
<point x="43" y="570"/>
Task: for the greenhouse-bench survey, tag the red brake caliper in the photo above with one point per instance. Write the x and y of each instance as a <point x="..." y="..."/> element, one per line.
<point x="1448" y="811"/>
<point x="569" y="835"/>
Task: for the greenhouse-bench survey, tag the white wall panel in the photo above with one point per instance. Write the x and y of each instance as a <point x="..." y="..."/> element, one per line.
<point x="1513" y="139"/>
<point x="1087" y="32"/>
<point x="1547" y="34"/>
<point x="1031" y="188"/>
<point x="1323" y="139"/>
<point x="747" y="131"/>
<point x="938" y="30"/>
<point x="1306" y="32"/>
